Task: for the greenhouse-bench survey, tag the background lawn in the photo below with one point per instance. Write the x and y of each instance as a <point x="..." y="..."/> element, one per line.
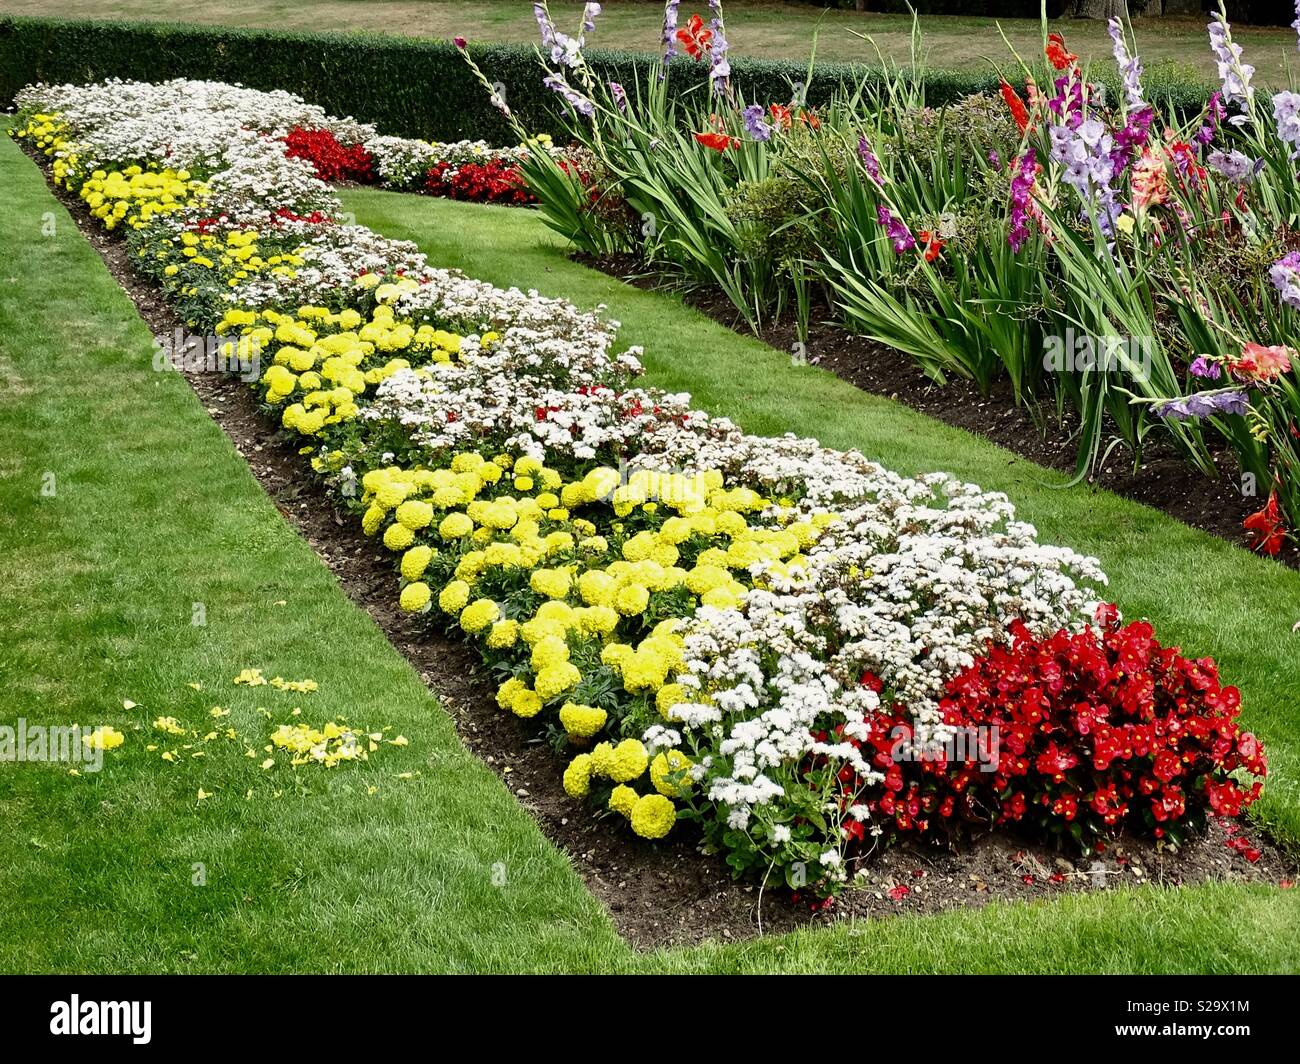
<point x="769" y="30"/>
<point x="154" y="511"/>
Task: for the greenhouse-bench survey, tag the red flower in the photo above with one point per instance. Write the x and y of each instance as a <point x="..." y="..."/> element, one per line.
<point x="717" y="141"/>
<point x="1016" y="106"/>
<point x="780" y="115"/>
<point x="695" y="37"/>
<point x="1057" y="54"/>
<point x="330" y="159"/>
<point x="1267" y="533"/>
<point x="933" y="245"/>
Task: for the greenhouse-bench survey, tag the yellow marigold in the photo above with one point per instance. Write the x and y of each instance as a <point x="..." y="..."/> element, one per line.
<point x="503" y="634"/>
<point x="615" y="655"/>
<point x="415" y="514"/>
<point x="582" y="722"/>
<point x="602" y="759"/>
<point x="631" y="600"/>
<point x="455" y="526"/>
<point x="526" y="703"/>
<point x="669" y="695"/>
<point x="479" y="614"/>
<point x="577" y="777"/>
<point x="553" y="583"/>
<point x="668" y="773"/>
<point x="415" y="596"/>
<point x="596" y="587"/>
<point x="623" y="799"/>
<point x="398" y="537"/>
<point x="372" y="519"/>
<point x="453" y="597"/>
<point x="415" y="561"/>
<point x="548" y="652"/>
<point x="556" y="679"/>
<point x="629" y="761"/>
<point x="653" y="816"/>
<point x="507" y="691"/>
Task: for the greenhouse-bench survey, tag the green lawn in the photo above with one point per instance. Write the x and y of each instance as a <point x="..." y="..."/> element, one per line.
<point x="154" y="511"/>
<point x="771" y="30"/>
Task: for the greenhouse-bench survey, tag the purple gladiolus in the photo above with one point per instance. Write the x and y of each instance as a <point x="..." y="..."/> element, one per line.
<point x="1285" y="275"/>
<point x="1214" y="113"/>
<point x="589" y="14"/>
<point x="899" y="235"/>
<point x="754" y="124"/>
<point x="620" y="95"/>
<point x="719" y="66"/>
<point x="995" y="160"/>
<point x="869" y="161"/>
<point x="1203" y="367"/>
<point x="670" y="33"/>
<point x="1022" y="186"/>
<point x="1130" y="140"/>
<point x="1129" y="65"/>
<point x="544" y="24"/>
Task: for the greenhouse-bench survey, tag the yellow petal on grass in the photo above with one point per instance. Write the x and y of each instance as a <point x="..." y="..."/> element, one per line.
<point x="196" y="686"/>
<point x="268" y="763"/>
<point x="204" y="795"/>
<point x="401" y="740"/>
<point x="128" y="704"/>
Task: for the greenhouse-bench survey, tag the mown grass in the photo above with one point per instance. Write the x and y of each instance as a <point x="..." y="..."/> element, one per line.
<point x="154" y="511"/>
<point x="763" y="29"/>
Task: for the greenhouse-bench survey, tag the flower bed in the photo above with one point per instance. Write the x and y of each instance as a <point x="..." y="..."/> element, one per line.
<point x="762" y="636"/>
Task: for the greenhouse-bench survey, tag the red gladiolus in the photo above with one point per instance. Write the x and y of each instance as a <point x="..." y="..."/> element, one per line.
<point x="717" y="141"/>
<point x="1267" y="533"/>
<point x="695" y="37"/>
<point x="1016" y="106"/>
<point x="1057" y="54"/>
<point x="932" y="244"/>
<point x="780" y="115"/>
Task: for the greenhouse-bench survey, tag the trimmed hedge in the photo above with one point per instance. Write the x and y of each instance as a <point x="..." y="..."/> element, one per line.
<point x="408" y="86"/>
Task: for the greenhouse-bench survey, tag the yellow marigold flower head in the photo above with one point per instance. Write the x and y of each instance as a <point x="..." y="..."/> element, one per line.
<point x="553" y="583"/>
<point x="415" y="561"/>
<point x="415" y="596"/>
<point x="455" y="526"/>
<point x="668" y="773"/>
<point x="508" y="691"/>
<point x="415" y="514"/>
<point x="453" y="597"/>
<point x="629" y="761"/>
<point x="466" y="463"/>
<point x="398" y="537"/>
<point x="582" y="722"/>
<point x="479" y="614"/>
<point x="556" y="679"/>
<point x="616" y="655"/>
<point x="596" y="587"/>
<point x="669" y="695"/>
<point x="504" y="634"/>
<point x="577" y="777"/>
<point x="631" y="600"/>
<point x="372" y="519"/>
<point x="622" y="799"/>
<point x="602" y="759"/>
<point x="653" y="816"/>
<point x="526" y="703"/>
<point x="549" y="651"/>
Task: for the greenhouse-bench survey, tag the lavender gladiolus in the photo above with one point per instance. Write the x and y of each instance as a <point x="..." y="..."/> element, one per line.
<point x="1286" y="109"/>
<point x="1233" y="165"/>
<point x="1204" y="404"/>
<point x="1234" y="74"/>
<point x="1285" y="275"/>
<point x="1085" y="153"/>
<point x="670" y="30"/>
<point x="620" y="95"/>
<point x="589" y="14"/>
<point x="1130" y="67"/>
<point x="755" y="126"/>
<point x="575" y="99"/>
<point x="719" y="66"/>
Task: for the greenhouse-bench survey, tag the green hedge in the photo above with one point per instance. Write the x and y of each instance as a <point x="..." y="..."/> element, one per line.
<point x="406" y="86"/>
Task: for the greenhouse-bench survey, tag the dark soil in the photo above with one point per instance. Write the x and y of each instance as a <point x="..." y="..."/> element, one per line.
<point x="1163" y="479"/>
<point x="667" y="893"/>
